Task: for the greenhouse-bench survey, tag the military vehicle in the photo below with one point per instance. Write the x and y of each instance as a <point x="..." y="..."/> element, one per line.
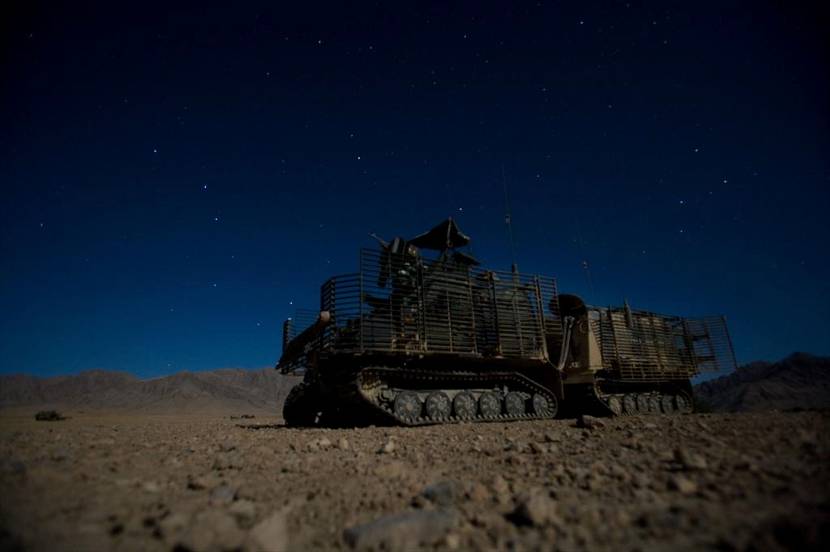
<point x="422" y="334"/>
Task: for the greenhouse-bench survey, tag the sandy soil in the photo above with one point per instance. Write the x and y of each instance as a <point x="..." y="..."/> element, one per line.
<point x="739" y="481"/>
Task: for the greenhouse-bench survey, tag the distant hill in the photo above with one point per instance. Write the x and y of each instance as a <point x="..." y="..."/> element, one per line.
<point x="221" y="391"/>
<point x="799" y="381"/>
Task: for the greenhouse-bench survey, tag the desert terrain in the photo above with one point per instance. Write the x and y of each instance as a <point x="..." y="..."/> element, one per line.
<point x="135" y="481"/>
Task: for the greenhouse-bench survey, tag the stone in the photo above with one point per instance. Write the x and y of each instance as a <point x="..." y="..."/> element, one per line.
<point x="343" y="444"/>
<point x="403" y="531"/>
<point x="271" y="533"/>
<point x="59" y="454"/>
<point x="552" y="437"/>
<point x="387" y="448"/>
<point x="689" y="460"/>
<point x="452" y="541"/>
<point x="478" y="492"/>
<point x="515" y="459"/>
<point x="227" y="461"/>
<point x="442" y="493"/>
<point x="172" y="526"/>
<point x="640" y="480"/>
<point x="212" y="530"/>
<point x="500" y="485"/>
<point x="590" y="422"/>
<point x="199" y="483"/>
<point x="243" y="510"/>
<point x="151" y="487"/>
<point x="516" y="446"/>
<point x="537" y="509"/>
<point x="391" y="470"/>
<point x="682" y="484"/>
<point x="538" y="448"/>
<point x="223" y="494"/>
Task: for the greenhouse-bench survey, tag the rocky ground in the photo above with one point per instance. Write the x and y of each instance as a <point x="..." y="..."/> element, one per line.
<point x="726" y="481"/>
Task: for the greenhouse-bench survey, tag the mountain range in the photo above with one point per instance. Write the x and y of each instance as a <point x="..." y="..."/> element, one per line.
<point x="799" y="381"/>
<point x="222" y="391"/>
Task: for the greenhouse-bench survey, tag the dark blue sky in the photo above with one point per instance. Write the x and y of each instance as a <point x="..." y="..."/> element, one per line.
<point x="172" y="180"/>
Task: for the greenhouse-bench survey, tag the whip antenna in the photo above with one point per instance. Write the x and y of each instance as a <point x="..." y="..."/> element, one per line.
<point x="586" y="266"/>
<point x="508" y="220"/>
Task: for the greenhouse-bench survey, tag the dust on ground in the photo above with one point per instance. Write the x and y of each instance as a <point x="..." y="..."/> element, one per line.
<point x="115" y="482"/>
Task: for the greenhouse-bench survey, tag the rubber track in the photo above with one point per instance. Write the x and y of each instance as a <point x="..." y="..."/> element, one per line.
<point x="472" y="380"/>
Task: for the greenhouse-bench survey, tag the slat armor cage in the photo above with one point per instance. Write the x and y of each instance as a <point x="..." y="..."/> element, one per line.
<point x="645" y="346"/>
<point x="405" y="304"/>
<point x="400" y="303"/>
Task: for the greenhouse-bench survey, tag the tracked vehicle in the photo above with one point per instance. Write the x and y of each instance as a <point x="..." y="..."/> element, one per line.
<point x="423" y="334"/>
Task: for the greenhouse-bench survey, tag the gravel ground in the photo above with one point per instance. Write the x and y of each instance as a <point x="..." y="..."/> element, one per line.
<point x="737" y="481"/>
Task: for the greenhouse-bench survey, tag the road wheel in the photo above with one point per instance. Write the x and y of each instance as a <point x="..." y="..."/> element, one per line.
<point x="615" y="405"/>
<point x="667" y="404"/>
<point x="642" y="403"/>
<point x="630" y="404"/>
<point x="464" y="405"/>
<point x="654" y="404"/>
<point x="408" y="406"/>
<point x="542" y="406"/>
<point x="489" y="405"/>
<point x="514" y="403"/>
<point x="683" y="403"/>
<point x="438" y="406"/>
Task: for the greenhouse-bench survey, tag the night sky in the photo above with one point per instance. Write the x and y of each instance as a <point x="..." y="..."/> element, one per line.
<point x="175" y="182"/>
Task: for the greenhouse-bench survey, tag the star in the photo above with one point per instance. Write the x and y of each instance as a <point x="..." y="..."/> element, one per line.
<point x="204" y="187"/>
<point x="155" y="150"/>
<point x="215" y="219"/>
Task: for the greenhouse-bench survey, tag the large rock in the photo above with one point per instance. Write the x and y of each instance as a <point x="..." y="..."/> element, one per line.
<point x="402" y="531"/>
<point x="590" y="422"/>
<point x="270" y="534"/>
<point x="212" y="530"/>
<point x="442" y="493"/>
<point x="537" y="509"/>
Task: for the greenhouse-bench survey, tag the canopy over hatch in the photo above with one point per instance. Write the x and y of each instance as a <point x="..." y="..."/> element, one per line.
<point x="445" y="235"/>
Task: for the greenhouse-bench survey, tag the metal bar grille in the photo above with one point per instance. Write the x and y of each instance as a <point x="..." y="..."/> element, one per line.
<point x="402" y="303"/>
<point x="645" y="346"/>
<point x="302" y="319"/>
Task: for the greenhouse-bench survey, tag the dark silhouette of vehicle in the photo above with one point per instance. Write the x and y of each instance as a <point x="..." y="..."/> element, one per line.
<point x="422" y="334"/>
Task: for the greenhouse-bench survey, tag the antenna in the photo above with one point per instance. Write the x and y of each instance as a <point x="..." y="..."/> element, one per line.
<point x="586" y="267"/>
<point x="508" y="220"/>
